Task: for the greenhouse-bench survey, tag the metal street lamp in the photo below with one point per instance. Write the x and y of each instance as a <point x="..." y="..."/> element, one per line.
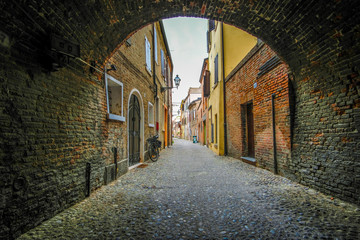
<point x="177" y="83"/>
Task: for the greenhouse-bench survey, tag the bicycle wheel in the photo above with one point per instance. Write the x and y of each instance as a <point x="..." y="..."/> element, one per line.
<point x="154" y="153"/>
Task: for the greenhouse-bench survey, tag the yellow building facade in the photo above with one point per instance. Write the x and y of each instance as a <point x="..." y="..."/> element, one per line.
<point x="227" y="46"/>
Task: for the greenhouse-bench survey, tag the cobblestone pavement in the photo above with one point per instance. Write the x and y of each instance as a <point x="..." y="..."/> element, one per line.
<point x="190" y="193"/>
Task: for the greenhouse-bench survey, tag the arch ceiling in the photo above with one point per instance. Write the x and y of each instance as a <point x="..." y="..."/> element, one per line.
<point x="323" y="34"/>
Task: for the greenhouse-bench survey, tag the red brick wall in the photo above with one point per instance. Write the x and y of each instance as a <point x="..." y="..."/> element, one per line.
<point x="276" y="81"/>
<point x="240" y="90"/>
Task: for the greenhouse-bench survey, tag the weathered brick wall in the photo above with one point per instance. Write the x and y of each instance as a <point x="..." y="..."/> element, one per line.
<point x="240" y="91"/>
<point x="274" y="82"/>
<point x="323" y="57"/>
<point x="53" y="124"/>
<point x="326" y="148"/>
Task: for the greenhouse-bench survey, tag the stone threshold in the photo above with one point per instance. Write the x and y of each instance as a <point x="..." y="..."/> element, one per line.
<point x="135" y="166"/>
<point x="249" y="160"/>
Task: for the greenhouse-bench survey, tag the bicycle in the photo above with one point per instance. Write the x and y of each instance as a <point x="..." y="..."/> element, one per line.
<point x="153" y="147"/>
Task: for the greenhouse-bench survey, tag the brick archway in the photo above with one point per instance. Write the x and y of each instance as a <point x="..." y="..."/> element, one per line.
<point x="307" y="34"/>
<point x="317" y="39"/>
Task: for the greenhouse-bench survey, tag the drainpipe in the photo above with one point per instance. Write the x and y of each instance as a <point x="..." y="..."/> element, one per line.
<point x="171" y="110"/>
<point x="274" y="132"/>
<point x="156" y="118"/>
<point x="224" y="89"/>
<point x="115" y="161"/>
<point x="88" y="177"/>
<point x="153" y="63"/>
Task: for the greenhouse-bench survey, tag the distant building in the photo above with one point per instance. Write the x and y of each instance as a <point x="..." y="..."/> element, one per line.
<point x="176" y="127"/>
<point x="193" y="94"/>
<point x="176" y="119"/>
<point x="193" y="119"/>
<point x="203" y="118"/>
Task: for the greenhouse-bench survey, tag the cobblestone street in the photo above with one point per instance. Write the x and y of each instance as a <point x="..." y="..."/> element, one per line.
<point x="190" y="193"/>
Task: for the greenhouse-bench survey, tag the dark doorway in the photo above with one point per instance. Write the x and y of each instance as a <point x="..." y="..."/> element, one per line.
<point x="250" y="130"/>
<point x="134" y="131"/>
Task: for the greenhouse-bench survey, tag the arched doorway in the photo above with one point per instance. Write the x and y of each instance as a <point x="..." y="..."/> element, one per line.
<point x="135" y="129"/>
<point x="134" y="123"/>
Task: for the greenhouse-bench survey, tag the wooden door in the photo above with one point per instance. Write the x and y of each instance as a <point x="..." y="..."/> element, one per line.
<point x="250" y="130"/>
<point x="134" y="131"/>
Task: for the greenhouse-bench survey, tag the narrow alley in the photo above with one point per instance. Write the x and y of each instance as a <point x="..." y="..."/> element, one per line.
<point x="191" y="193"/>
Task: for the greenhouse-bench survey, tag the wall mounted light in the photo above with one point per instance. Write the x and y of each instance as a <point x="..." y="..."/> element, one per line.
<point x="177" y="81"/>
<point x="112" y="68"/>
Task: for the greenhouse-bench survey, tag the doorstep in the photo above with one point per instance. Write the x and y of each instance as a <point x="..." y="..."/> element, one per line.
<point x="135" y="166"/>
<point x="249" y="160"/>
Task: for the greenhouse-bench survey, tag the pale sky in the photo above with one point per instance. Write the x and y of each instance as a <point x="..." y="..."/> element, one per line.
<point x="187" y="42"/>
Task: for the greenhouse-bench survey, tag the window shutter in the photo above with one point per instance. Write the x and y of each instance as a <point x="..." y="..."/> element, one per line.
<point x="206" y="84"/>
<point x="216" y="70"/>
<point x="148" y="54"/>
<point x="211" y="25"/>
<point x="166" y="72"/>
<point x="155" y="44"/>
<point x="208" y="41"/>
<point x="162" y="63"/>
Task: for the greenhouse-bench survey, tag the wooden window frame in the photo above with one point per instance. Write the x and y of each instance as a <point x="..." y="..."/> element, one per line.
<point x="110" y="115"/>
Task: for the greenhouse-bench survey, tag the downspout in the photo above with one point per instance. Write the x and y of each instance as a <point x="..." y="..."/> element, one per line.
<point x="274" y="132"/>
<point x="224" y="89"/>
<point x="153" y="63"/>
<point x="171" y="110"/>
<point x="88" y="179"/>
<point x="115" y="161"/>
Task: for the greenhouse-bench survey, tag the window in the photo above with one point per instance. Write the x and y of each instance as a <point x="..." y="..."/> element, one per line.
<point x="216" y="73"/>
<point x="114" y="97"/>
<point x="151" y="114"/>
<point x="162" y="62"/>
<point x="155" y="44"/>
<point x="148" y="54"/>
<point x="211" y="25"/>
<point x="208" y="41"/>
<point x="167" y="73"/>
<point x="206" y="84"/>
